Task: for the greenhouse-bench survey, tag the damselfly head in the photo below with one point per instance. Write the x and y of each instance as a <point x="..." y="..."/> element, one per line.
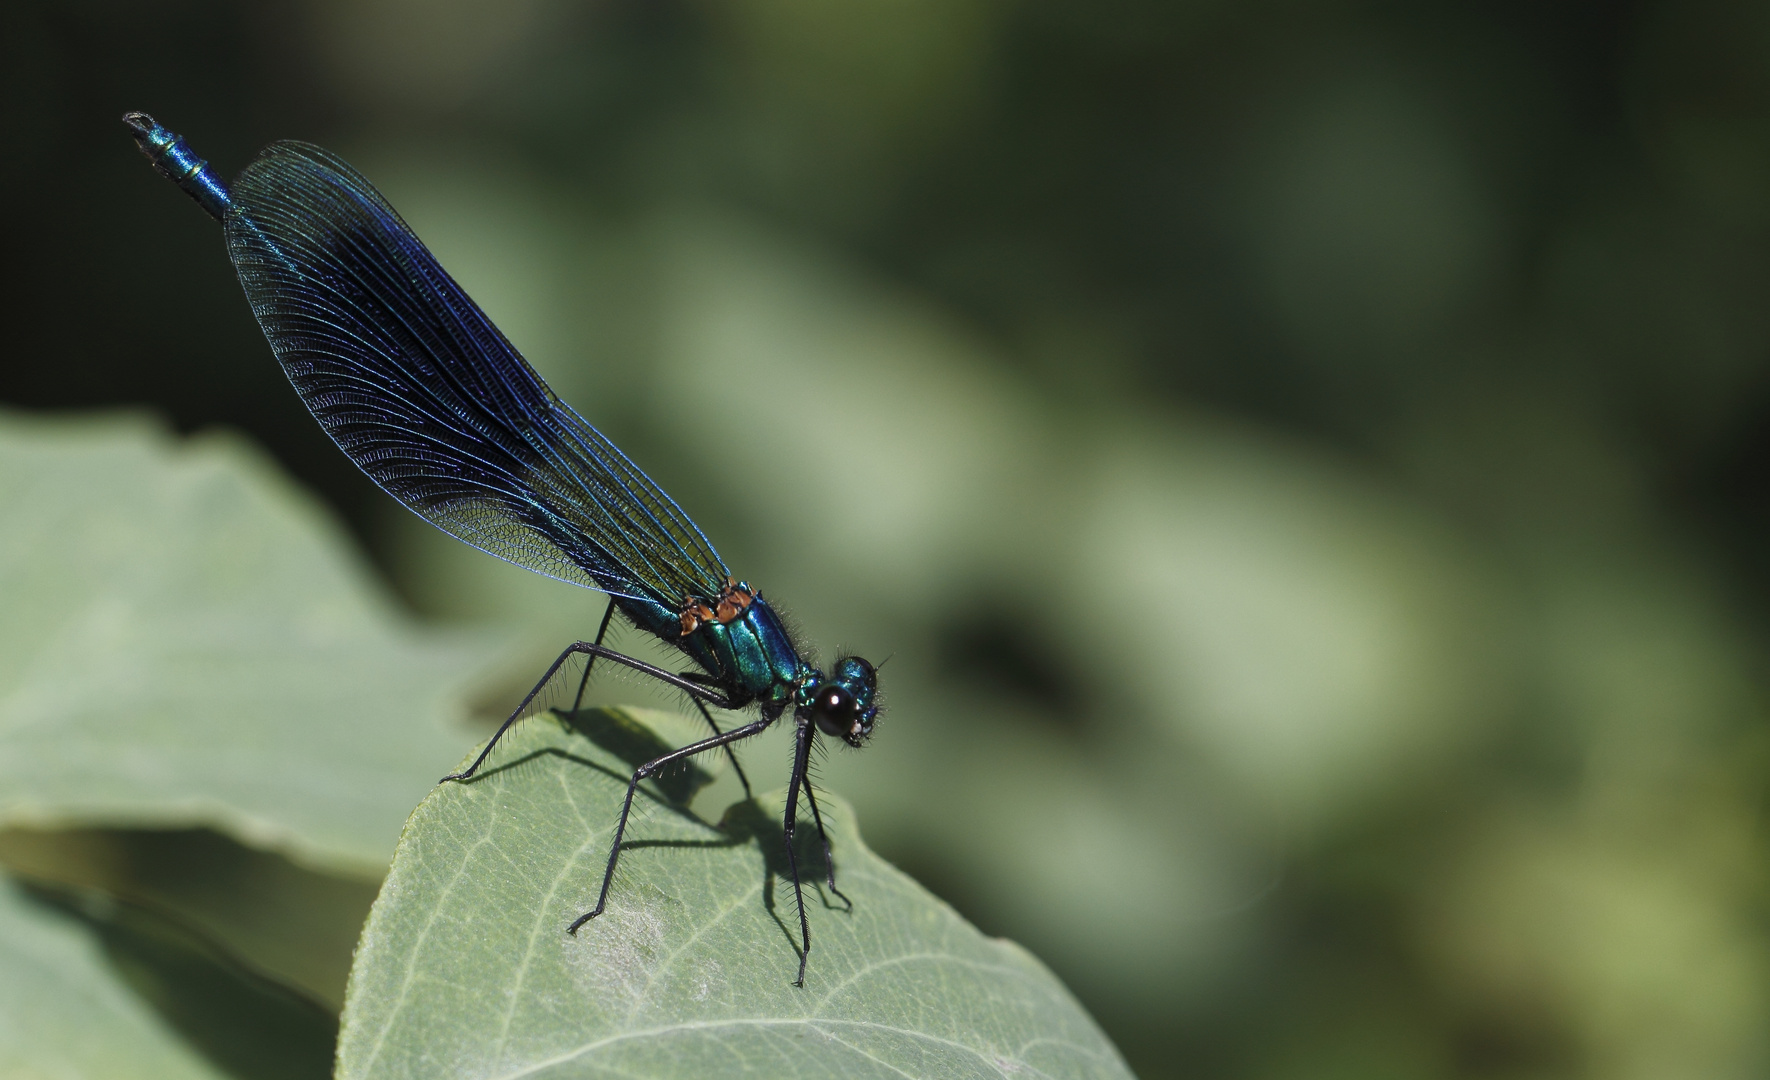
<point x="846" y="706"/>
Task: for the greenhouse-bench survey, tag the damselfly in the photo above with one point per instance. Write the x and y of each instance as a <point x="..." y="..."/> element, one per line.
<point x="415" y="384"/>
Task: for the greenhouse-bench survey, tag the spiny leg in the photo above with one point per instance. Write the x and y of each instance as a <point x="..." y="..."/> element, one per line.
<point x="730" y="753"/>
<point x="829" y="860"/>
<point x="594" y="650"/>
<point x="517" y="714"/>
<point x="644" y="772"/>
<point x="590" y="665"/>
<point x="583" y="682"/>
<point x="801" y="754"/>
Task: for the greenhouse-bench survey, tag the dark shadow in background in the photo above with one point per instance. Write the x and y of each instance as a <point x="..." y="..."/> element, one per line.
<point x="249" y="1026"/>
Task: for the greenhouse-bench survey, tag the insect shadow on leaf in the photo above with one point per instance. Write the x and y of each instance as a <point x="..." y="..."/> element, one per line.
<point x="636" y="744"/>
<point x="751" y="821"/>
<point x="625" y="738"/>
<point x="743" y="822"/>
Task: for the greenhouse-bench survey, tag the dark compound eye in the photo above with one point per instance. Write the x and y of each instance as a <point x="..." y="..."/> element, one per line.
<point x="835" y="710"/>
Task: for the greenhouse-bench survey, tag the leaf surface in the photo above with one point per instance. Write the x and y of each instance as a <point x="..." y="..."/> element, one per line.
<point x="188" y="641"/>
<point x="65" y="1013"/>
<point x="465" y="968"/>
<point x="282" y="921"/>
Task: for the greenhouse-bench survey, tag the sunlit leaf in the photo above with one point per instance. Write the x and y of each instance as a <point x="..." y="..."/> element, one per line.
<point x="187" y="641"/>
<point x="465" y="968"/>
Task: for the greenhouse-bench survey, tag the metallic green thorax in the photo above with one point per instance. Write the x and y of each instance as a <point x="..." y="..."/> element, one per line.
<point x="753" y="654"/>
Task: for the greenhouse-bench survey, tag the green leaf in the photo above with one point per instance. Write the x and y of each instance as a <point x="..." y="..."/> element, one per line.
<point x="465" y="968"/>
<point x="285" y="922"/>
<point x="64" y="1012"/>
<point x="251" y="1027"/>
<point x="188" y="641"/>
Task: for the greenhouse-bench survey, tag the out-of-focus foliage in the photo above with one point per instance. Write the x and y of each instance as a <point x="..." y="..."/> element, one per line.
<point x="185" y="644"/>
<point x="185" y="640"/>
<point x="1306" y="463"/>
<point x="65" y="1013"/>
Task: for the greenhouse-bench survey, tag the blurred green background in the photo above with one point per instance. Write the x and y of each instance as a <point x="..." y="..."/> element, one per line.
<point x="1307" y="464"/>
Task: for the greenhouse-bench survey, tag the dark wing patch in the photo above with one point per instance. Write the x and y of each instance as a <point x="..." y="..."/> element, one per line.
<point x="417" y="386"/>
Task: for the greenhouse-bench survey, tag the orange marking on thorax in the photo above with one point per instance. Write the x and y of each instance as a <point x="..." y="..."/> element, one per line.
<point x="694" y="613"/>
<point x="733" y="599"/>
<point x="729" y="606"/>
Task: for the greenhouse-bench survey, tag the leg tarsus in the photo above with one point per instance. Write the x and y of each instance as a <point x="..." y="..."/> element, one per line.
<point x="546" y="677"/>
<point x="801" y="754"/>
<point x="646" y="771"/>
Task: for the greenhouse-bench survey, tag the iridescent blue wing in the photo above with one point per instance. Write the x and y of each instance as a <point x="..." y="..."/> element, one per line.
<point x="412" y="381"/>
